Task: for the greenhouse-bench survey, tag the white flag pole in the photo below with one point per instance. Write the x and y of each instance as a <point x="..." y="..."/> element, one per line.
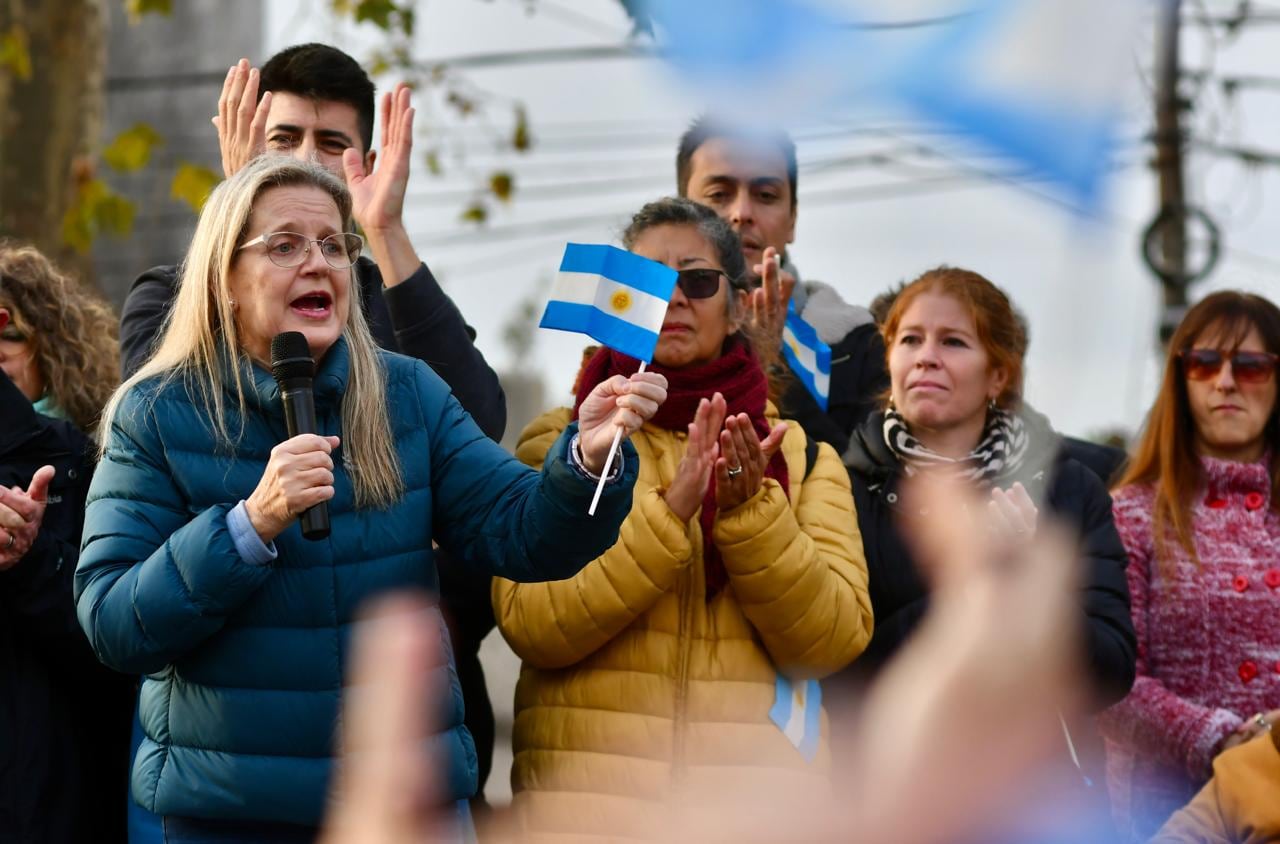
<point x="608" y="462"/>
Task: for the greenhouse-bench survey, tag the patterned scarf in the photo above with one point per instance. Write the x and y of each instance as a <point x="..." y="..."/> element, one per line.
<point x="738" y="376"/>
<point x="999" y="453"/>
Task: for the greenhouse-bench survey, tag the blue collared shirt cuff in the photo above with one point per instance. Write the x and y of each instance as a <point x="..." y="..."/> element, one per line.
<point x="576" y="461"/>
<point x="250" y="546"/>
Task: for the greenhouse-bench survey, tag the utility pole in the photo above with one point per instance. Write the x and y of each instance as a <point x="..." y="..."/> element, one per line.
<point x="1172" y="217"/>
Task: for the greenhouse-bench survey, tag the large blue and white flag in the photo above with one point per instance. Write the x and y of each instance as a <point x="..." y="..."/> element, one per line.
<point x="808" y="357"/>
<point x="1036" y="80"/>
<point x="616" y="297"/>
<point x="797" y="711"/>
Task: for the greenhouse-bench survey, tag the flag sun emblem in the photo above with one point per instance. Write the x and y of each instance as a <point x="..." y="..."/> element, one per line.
<point x="620" y="301"/>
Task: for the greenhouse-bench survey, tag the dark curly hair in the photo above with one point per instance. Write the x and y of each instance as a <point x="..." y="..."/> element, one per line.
<point x="73" y="331"/>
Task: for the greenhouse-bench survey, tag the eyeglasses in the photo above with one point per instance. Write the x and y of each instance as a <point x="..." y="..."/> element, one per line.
<point x="700" y="282"/>
<point x="1247" y="367"/>
<point x="290" y="249"/>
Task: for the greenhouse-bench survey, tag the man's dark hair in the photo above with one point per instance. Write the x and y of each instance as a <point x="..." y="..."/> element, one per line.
<point x="321" y="72"/>
<point x="704" y="129"/>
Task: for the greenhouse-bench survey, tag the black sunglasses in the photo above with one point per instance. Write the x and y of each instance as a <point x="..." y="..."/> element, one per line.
<point x="1248" y="367"/>
<point x="700" y="282"/>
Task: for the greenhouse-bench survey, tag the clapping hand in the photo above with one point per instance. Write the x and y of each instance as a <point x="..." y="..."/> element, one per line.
<point x="617" y="403"/>
<point x="769" y="301"/>
<point x="693" y="475"/>
<point x="21" y="514"/>
<point x="242" y="118"/>
<point x="743" y="460"/>
<point x="378" y="196"/>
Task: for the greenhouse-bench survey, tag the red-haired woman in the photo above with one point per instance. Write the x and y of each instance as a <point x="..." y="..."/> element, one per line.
<point x="955" y="352"/>
<point x="1198" y="516"/>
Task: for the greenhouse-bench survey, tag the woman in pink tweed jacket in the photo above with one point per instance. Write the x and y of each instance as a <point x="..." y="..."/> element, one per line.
<point x="1197" y="511"/>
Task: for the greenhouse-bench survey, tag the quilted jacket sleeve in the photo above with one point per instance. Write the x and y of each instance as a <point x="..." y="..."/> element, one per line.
<point x="799" y="573"/>
<point x="1154" y="721"/>
<point x="553" y="625"/>
<point x="491" y="511"/>
<point x="152" y="582"/>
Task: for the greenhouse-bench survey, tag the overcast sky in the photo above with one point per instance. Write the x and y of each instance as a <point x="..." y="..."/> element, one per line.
<point x="605" y="133"/>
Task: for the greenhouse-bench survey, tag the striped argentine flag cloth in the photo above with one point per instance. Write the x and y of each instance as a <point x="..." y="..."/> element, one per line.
<point x="797" y="711"/>
<point x="616" y="297"/>
<point x="808" y="357"/>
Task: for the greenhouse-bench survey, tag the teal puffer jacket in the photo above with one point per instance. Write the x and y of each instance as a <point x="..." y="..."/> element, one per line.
<point x="245" y="663"/>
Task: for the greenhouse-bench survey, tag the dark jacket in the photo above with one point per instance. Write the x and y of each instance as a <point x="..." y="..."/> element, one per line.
<point x="418" y="319"/>
<point x="1067" y="489"/>
<point x="899" y="596"/>
<point x="245" y="663"/>
<point x="64" y="718"/>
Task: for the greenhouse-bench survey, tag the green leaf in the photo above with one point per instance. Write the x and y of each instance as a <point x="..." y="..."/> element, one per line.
<point x="114" y="214"/>
<point x="14" y="54"/>
<point x="131" y="150"/>
<point x="433" y="162"/>
<point x="192" y="184"/>
<point x="502" y="184"/>
<point x="96" y="209"/>
<point x="476" y="213"/>
<point x="138" y="8"/>
<point x="520" y="138"/>
<point x="377" y="12"/>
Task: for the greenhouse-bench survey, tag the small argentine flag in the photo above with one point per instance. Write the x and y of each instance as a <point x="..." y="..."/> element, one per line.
<point x="808" y="357"/>
<point x="797" y="710"/>
<point x="614" y="296"/>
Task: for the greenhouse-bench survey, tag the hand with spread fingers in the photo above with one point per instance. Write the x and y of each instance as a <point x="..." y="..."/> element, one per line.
<point x="768" y="311"/>
<point x="743" y="459"/>
<point x="378" y="196"/>
<point x="21" y="514"/>
<point x="242" y="118"/>
<point x="689" y="487"/>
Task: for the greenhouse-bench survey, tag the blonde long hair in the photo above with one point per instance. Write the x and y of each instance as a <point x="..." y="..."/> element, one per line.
<point x="201" y="331"/>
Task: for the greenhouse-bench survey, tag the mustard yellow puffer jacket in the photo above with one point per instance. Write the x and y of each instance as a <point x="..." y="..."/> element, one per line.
<point x="638" y="693"/>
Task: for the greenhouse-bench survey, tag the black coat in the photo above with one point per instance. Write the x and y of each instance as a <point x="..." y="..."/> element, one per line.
<point x="1068" y="490"/>
<point x="899" y="596"/>
<point x="64" y="718"/>
<point x="415" y="318"/>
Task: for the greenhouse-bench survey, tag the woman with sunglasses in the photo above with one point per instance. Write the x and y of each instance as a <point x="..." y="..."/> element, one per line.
<point x="1198" y="514"/>
<point x="665" y="670"/>
<point x="64" y="718"/>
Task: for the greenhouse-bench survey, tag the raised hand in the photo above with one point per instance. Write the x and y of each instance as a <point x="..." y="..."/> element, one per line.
<point x="378" y="196"/>
<point x="617" y="403"/>
<point x="768" y="311"/>
<point x="1012" y="513"/>
<point x="387" y="791"/>
<point x="688" y="488"/>
<point x="299" y="475"/>
<point x="21" y="514"/>
<point x="242" y="118"/>
<point x="743" y="459"/>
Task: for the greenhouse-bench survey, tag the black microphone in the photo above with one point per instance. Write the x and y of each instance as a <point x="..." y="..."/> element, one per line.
<point x="294" y="369"/>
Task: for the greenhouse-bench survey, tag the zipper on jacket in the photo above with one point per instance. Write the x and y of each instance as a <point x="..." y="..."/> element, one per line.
<point x="684" y="638"/>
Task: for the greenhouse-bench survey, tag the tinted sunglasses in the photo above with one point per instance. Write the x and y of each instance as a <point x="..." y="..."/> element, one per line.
<point x="1247" y="367"/>
<point x="700" y="282"/>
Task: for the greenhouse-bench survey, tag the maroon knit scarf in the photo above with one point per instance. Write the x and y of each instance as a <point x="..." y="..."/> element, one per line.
<point x="738" y="376"/>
